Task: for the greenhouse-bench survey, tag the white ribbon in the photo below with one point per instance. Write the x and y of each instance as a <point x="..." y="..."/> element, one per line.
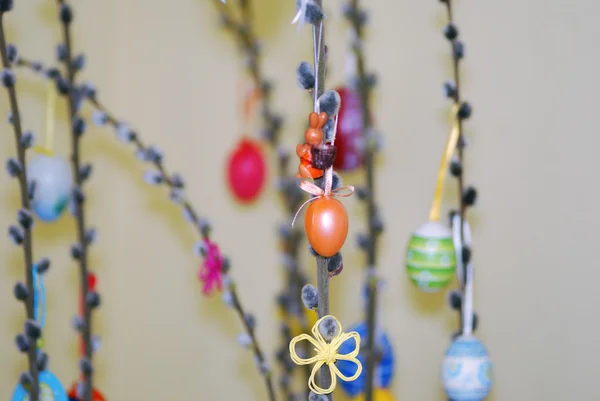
<point x="467" y="309"/>
<point x="300" y="16"/>
<point x="468" y="303"/>
<point x="458" y="246"/>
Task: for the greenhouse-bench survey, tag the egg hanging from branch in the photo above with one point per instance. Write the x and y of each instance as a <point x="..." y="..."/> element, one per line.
<point x="349" y="136"/>
<point x="51" y="177"/>
<point x="467" y="370"/>
<point x="246" y="171"/>
<point x="430" y="257"/>
<point x="326" y="225"/>
<point x="384" y="368"/>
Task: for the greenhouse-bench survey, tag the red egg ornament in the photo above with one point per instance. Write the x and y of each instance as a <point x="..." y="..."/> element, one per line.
<point x="73" y="394"/>
<point x="349" y="131"/>
<point x="246" y="171"/>
<point x="326" y="225"/>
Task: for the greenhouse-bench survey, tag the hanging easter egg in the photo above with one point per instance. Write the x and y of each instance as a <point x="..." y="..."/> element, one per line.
<point x="91" y="281"/>
<point x="379" y="394"/>
<point x="348" y="138"/>
<point x="430" y="257"/>
<point x="96" y="395"/>
<point x="298" y="323"/>
<point x="246" y="171"/>
<point x="53" y="183"/>
<point x="326" y="225"/>
<point x="50" y="389"/>
<point x="384" y="369"/>
<point x="466" y="371"/>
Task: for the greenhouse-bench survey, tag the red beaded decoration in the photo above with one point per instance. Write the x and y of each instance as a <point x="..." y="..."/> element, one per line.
<point x="72" y="394"/>
<point x="312" y="136"/>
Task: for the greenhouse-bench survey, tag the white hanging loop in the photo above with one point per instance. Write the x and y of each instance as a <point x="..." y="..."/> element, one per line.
<point x="300" y="16"/>
<point x="458" y="245"/>
<point x="467" y="311"/>
<point x="350" y="60"/>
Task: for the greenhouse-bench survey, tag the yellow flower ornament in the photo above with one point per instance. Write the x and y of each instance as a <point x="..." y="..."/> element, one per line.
<point x="327" y="355"/>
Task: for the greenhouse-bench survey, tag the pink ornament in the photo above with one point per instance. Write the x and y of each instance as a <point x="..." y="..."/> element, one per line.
<point x="348" y="138"/>
<point x="210" y="272"/>
<point x="246" y="171"/>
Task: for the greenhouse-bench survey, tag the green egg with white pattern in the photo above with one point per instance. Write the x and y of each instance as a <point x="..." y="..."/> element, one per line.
<point x="430" y="257"/>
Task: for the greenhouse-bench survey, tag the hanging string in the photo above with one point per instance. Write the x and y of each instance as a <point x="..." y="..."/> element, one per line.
<point x="317" y="57"/>
<point x="458" y="244"/>
<point x="467" y="309"/>
<point x="250" y="99"/>
<point x="300" y="16"/>
<point x="39" y="301"/>
<point x="48" y="147"/>
<point x="434" y="214"/>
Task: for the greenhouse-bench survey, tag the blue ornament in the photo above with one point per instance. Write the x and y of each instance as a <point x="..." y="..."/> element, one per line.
<point x="384" y="369"/>
<point x="50" y="389"/>
<point x="52" y="177"/>
<point x="466" y="371"/>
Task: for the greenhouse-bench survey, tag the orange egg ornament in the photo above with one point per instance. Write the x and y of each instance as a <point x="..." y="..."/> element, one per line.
<point x="326" y="225"/>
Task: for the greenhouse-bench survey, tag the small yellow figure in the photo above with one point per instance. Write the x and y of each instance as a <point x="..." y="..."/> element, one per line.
<point x="327" y="355"/>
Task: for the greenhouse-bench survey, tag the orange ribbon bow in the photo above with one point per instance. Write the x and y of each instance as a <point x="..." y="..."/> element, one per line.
<point x="318" y="192"/>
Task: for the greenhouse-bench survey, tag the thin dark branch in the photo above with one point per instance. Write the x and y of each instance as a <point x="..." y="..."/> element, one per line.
<point x="79" y="206"/>
<point x="189" y="209"/>
<point x="157" y="162"/>
<point x="271" y="127"/>
<point x="260" y="356"/>
<point x="195" y="217"/>
<point x="204" y="234"/>
<point x="25" y="204"/>
<point x="459" y="148"/>
<point x="285" y="378"/>
<point x="364" y="85"/>
<point x="322" y="272"/>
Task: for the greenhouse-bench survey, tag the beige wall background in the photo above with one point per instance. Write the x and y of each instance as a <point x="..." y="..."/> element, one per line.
<point x="531" y="74"/>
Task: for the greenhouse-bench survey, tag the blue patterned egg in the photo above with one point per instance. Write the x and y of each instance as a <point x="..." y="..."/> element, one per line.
<point x="52" y="177"/>
<point x="50" y="389"/>
<point x="467" y="370"/>
<point x="384" y="370"/>
<point x="430" y="257"/>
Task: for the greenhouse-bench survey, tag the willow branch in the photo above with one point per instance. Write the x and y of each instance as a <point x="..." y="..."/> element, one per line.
<point x="25" y="204"/>
<point x="174" y="183"/>
<point x="291" y="196"/>
<point x="457" y="99"/>
<point x="322" y="271"/>
<point x="86" y="329"/>
<point x="363" y="86"/>
<point x="457" y="51"/>
<point x="260" y="356"/>
<point x="199" y="223"/>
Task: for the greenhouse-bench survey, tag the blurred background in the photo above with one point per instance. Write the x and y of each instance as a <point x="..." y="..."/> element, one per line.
<point x="167" y="68"/>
